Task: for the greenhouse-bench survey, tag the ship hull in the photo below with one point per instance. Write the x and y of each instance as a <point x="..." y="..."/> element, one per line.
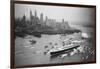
<point x="63" y="51"/>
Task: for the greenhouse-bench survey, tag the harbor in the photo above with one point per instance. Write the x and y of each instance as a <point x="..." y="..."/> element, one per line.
<point x="38" y="52"/>
<point x="47" y="36"/>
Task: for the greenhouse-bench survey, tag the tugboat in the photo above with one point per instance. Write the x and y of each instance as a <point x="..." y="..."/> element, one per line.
<point x="32" y="41"/>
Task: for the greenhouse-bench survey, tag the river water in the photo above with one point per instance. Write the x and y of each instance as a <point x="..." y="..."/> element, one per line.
<point x="27" y="53"/>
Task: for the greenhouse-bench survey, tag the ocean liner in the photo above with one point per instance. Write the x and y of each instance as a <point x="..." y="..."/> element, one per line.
<point x="67" y="48"/>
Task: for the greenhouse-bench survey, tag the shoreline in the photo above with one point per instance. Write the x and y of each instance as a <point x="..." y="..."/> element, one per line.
<point x="38" y="33"/>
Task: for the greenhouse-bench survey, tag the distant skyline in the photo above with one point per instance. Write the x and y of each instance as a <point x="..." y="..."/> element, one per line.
<point x="70" y="14"/>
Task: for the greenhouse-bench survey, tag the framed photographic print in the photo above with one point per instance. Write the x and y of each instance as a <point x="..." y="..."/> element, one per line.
<point x="49" y="34"/>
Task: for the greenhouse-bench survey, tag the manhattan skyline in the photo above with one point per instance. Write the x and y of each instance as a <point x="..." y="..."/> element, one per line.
<point x="70" y="14"/>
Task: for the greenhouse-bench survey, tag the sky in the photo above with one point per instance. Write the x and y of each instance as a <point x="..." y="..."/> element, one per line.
<point x="70" y="14"/>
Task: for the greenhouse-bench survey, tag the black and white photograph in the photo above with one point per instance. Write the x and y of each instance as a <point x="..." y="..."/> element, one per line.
<point x="50" y="34"/>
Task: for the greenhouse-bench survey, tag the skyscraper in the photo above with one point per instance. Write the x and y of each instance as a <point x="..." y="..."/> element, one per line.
<point x="41" y="17"/>
<point x="35" y="14"/>
<point x="46" y="18"/>
<point x="30" y="15"/>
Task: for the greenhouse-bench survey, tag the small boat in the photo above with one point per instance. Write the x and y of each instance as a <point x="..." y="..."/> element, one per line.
<point x="63" y="55"/>
<point x="32" y="41"/>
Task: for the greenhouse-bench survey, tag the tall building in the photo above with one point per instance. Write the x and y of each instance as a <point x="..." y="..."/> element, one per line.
<point x="62" y="20"/>
<point x="41" y="17"/>
<point x="31" y="15"/>
<point x="24" y="17"/>
<point x="46" y="18"/>
<point x="35" y="13"/>
<point x="64" y="25"/>
<point x="33" y="19"/>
